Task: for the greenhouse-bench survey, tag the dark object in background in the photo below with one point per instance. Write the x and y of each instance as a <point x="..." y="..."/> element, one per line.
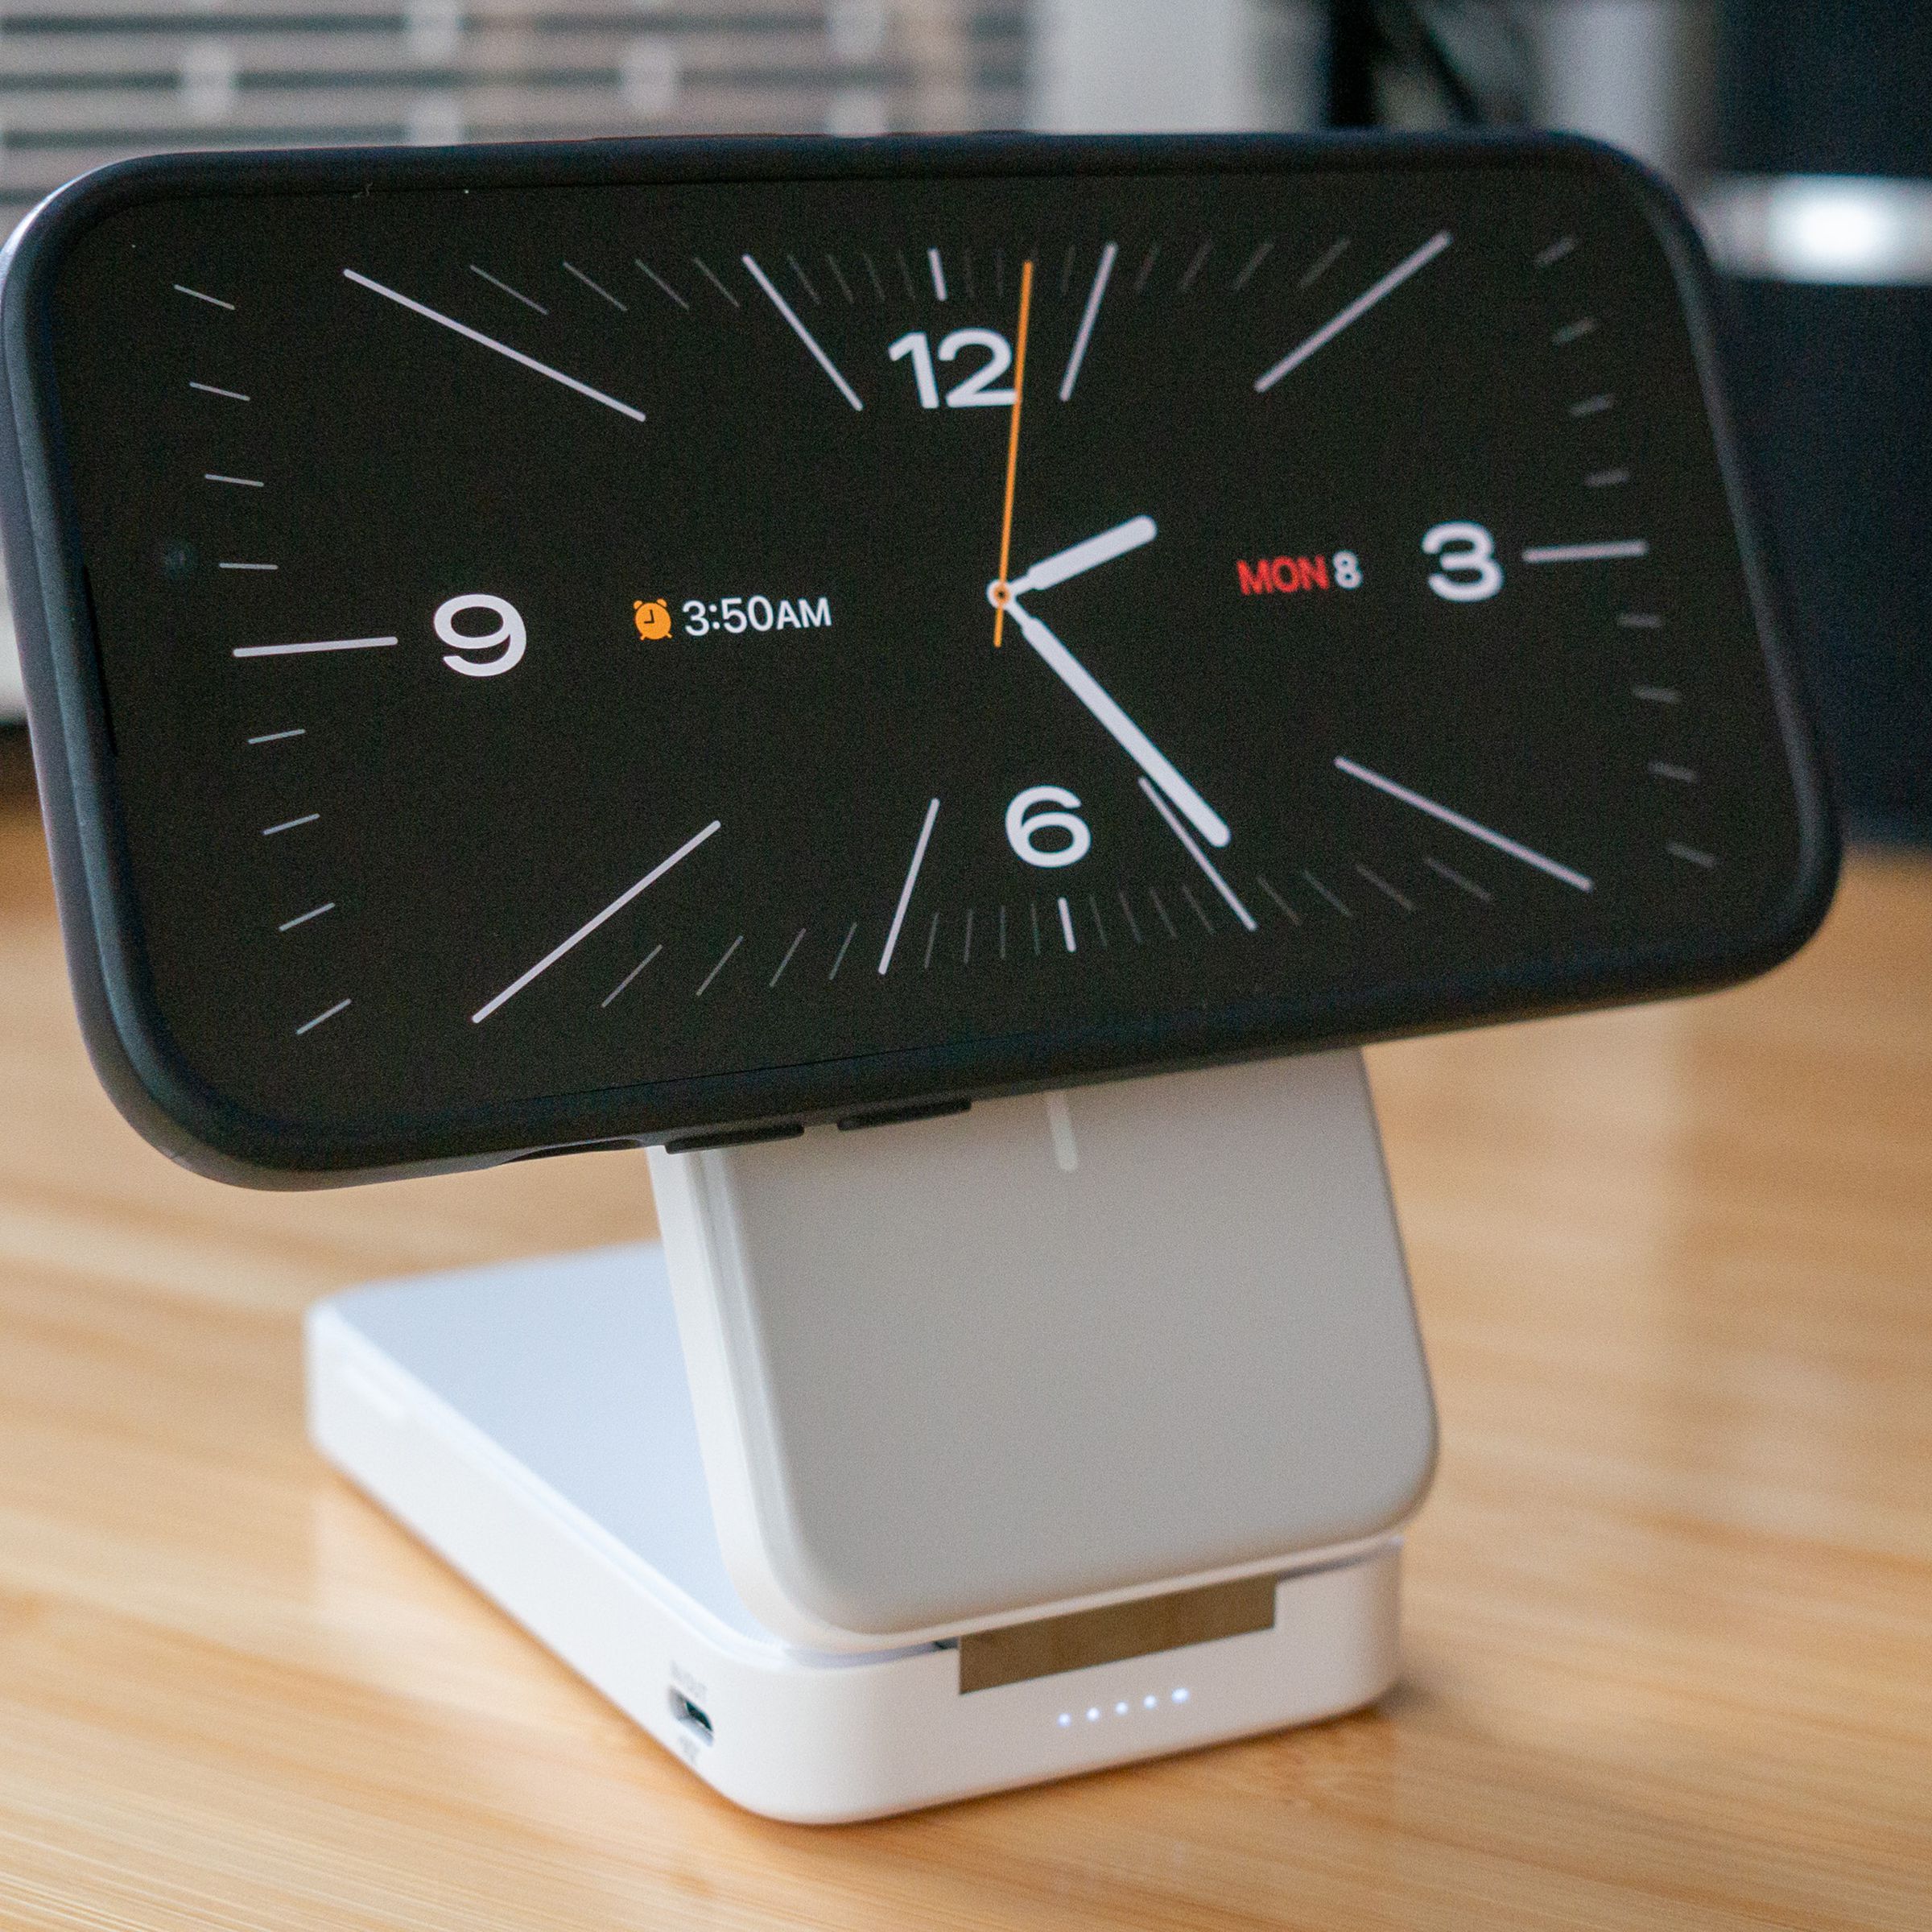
<point x="1467" y="65"/>
<point x="1833" y="391"/>
<point x="1831" y="382"/>
<point x="1833" y="387"/>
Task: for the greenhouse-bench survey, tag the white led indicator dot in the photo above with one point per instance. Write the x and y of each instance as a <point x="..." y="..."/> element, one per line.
<point x="1066" y="1719"/>
<point x="1120" y="1709"/>
<point x="1093" y="1714"/>
<point x="1180" y="1696"/>
<point x="1149" y="1701"/>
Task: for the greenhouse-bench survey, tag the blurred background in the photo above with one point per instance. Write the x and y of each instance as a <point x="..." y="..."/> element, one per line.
<point x="1798" y="132"/>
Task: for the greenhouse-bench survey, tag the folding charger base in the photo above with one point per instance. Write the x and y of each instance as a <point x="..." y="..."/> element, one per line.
<point x="940" y="1457"/>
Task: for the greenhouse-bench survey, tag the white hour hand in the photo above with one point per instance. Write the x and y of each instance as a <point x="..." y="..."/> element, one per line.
<point x="1127" y="734"/>
<point x="1102" y="549"/>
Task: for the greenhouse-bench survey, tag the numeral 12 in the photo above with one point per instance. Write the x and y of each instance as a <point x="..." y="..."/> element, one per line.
<point x="973" y="392"/>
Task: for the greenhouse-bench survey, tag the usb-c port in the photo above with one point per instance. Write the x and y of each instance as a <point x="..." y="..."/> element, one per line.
<point x="690" y="1717"/>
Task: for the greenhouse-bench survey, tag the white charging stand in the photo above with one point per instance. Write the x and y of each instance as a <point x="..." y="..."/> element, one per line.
<point x="946" y="1456"/>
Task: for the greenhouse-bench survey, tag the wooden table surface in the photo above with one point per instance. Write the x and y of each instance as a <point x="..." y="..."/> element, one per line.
<point x="1669" y="1627"/>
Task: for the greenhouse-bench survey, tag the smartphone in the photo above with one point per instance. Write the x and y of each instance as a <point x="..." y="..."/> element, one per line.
<point x="548" y="646"/>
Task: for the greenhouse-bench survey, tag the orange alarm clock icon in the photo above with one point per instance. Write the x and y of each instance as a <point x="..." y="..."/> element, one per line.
<point x="653" y="619"/>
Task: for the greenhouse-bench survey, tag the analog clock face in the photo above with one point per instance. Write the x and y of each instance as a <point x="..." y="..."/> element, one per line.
<point x="888" y="636"/>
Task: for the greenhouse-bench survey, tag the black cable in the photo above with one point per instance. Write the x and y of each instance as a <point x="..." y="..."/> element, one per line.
<point x="1368" y="37"/>
<point x="1354" y="42"/>
<point x="1426" y="50"/>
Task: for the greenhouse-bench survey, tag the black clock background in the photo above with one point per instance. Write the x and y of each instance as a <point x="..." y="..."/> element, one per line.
<point x="467" y="826"/>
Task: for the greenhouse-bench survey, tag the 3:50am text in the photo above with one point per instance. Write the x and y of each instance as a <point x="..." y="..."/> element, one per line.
<point x="758" y="613"/>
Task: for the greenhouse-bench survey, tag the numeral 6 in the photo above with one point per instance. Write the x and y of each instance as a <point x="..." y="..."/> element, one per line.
<point x="1028" y="816"/>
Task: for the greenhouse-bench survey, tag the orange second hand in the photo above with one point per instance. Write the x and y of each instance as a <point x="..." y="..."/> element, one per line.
<point x="1013" y="443"/>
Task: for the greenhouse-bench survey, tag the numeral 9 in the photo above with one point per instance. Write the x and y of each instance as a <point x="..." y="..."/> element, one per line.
<point x="507" y="640"/>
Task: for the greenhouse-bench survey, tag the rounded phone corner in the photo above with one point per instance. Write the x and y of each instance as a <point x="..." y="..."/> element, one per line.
<point x="194" y="1127"/>
<point x="35" y="251"/>
<point x="1793" y="920"/>
<point x="178" y="1113"/>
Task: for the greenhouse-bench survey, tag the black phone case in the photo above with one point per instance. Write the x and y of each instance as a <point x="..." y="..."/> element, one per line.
<point x="74" y="751"/>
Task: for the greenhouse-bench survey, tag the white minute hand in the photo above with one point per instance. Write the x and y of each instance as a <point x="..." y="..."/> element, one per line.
<point x="1127" y="734"/>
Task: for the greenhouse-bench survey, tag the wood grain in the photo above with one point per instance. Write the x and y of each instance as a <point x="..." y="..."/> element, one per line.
<point x="1670" y="1625"/>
